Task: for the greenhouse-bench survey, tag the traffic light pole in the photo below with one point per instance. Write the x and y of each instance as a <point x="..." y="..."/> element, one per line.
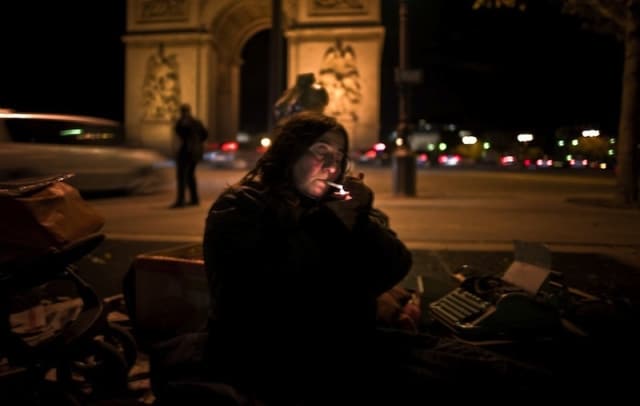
<point x="403" y="160"/>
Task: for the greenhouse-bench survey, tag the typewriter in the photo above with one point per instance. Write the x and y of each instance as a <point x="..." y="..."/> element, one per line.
<point x="522" y="304"/>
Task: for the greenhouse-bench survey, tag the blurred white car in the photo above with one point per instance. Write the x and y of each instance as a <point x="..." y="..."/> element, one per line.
<point x="35" y="144"/>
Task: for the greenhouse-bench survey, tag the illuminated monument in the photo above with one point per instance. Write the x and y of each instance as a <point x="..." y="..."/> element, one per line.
<point x="189" y="51"/>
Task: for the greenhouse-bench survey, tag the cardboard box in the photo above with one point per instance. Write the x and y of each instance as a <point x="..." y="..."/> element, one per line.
<point x="167" y="293"/>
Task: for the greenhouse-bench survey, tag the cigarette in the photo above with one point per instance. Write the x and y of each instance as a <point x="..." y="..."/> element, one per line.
<point x="420" y="284"/>
<point x="337" y="186"/>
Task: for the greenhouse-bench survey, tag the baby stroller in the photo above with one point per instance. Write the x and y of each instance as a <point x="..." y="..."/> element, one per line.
<point x="56" y="343"/>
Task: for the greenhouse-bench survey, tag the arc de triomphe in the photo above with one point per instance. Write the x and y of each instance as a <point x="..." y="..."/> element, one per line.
<point x="189" y="51"/>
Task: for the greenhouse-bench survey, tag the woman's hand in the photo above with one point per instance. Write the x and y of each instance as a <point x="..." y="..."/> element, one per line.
<point x="360" y="193"/>
<point x="400" y="308"/>
<point x="357" y="199"/>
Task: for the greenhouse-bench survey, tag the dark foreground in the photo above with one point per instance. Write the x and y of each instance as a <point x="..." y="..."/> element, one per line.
<point x="598" y="361"/>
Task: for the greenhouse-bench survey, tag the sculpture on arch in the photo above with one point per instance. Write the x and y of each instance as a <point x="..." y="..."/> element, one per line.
<point x="339" y="75"/>
<point x="161" y="87"/>
<point x="306" y="94"/>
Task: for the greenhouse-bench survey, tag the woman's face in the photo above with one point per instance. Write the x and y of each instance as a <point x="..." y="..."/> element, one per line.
<point x="321" y="162"/>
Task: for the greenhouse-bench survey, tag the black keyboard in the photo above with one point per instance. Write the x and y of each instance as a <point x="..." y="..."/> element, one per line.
<point x="458" y="307"/>
<point x="505" y="313"/>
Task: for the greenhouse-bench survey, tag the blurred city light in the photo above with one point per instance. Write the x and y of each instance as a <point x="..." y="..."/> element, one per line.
<point x="525" y="137"/>
<point x="265" y="142"/>
<point x="469" y="140"/>
<point x="590" y="133"/>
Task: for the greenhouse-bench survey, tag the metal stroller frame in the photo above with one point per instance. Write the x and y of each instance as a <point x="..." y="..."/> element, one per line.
<point x="91" y="356"/>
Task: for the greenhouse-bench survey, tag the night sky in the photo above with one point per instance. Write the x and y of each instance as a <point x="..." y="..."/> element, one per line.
<point x="54" y="60"/>
<point x="482" y="69"/>
<point x="507" y="69"/>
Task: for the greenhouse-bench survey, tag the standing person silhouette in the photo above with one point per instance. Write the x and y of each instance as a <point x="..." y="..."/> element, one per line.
<point x="191" y="134"/>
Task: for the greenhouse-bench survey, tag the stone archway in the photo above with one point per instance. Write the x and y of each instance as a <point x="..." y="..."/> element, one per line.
<point x="190" y="51"/>
<point x="232" y="28"/>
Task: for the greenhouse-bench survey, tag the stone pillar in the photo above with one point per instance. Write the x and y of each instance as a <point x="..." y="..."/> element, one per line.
<point x="162" y="72"/>
<point x="341" y="43"/>
<point x="167" y="61"/>
<point x="228" y="99"/>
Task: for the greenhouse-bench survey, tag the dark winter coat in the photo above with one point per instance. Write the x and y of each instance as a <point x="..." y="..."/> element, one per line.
<point x="192" y="133"/>
<point x="293" y="292"/>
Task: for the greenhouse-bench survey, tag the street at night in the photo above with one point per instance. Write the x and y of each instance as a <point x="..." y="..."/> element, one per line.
<point x="452" y="206"/>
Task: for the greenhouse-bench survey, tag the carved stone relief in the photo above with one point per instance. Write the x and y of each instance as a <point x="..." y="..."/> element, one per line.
<point x="337" y="7"/>
<point x="340" y="77"/>
<point x="161" y="87"/>
<point x="162" y="10"/>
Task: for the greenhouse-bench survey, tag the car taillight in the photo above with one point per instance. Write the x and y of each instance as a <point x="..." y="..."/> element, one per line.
<point x="229" y="146"/>
<point x="370" y="153"/>
<point x="507" y="160"/>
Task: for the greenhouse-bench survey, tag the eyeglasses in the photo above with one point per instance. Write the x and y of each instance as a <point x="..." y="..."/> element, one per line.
<point x="326" y="154"/>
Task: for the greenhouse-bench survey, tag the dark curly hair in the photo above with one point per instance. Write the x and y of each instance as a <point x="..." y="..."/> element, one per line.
<point x="292" y="137"/>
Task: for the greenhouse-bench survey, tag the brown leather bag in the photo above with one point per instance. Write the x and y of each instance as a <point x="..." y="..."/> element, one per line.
<point x="38" y="215"/>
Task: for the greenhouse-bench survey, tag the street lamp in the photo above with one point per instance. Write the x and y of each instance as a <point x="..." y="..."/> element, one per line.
<point x="403" y="160"/>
